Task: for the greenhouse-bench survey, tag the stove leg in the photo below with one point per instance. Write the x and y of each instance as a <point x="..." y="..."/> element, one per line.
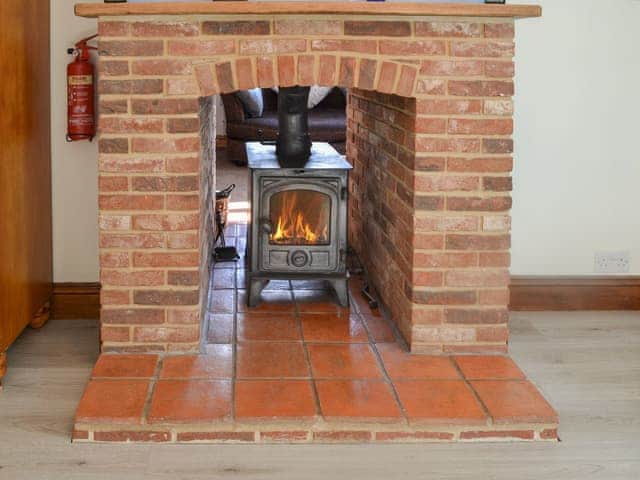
<point x="341" y="288"/>
<point x="255" y="288"/>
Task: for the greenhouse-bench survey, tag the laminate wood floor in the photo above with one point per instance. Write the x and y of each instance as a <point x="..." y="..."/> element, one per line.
<point x="586" y="364"/>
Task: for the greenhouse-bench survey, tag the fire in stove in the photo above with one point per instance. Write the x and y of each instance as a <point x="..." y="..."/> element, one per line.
<point x="300" y="217"/>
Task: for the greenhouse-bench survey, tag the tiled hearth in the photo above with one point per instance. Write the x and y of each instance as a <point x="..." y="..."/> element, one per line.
<point x="298" y="368"/>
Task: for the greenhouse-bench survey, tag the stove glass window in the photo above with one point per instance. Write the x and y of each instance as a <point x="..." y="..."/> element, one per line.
<point x="300" y="217"/>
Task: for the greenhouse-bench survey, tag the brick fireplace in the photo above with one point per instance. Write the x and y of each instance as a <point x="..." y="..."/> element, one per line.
<point x="429" y="136"/>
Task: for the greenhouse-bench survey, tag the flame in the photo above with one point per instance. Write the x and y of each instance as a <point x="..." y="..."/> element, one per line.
<point x="292" y="226"/>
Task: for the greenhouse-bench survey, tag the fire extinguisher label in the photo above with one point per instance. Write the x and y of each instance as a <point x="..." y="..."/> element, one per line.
<point x="81" y="80"/>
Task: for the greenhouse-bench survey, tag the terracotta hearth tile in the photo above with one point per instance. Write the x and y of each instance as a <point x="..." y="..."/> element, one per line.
<point x="343" y="361"/>
<point x="267" y="327"/>
<point x="125" y="366"/>
<point x="113" y="401"/>
<point x="439" y="401"/>
<point x="274" y="400"/>
<point x="489" y="367"/>
<point x="329" y="327"/>
<point x="317" y="301"/>
<point x="222" y="301"/>
<point x="357" y="400"/>
<point x="183" y="401"/>
<point x="379" y="329"/>
<point x="224" y="278"/>
<point x="271" y="360"/>
<point x="514" y="401"/>
<point x="220" y="328"/>
<point x="272" y="301"/>
<point x="400" y="364"/>
<point x="217" y="363"/>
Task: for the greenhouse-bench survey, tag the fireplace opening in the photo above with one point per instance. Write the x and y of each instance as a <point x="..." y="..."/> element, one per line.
<point x="300" y="217"/>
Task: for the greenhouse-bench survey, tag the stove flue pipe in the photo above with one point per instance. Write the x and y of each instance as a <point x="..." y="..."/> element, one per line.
<point x="293" y="146"/>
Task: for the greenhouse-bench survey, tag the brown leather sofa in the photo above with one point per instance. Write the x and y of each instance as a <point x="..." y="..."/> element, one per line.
<point x="327" y="123"/>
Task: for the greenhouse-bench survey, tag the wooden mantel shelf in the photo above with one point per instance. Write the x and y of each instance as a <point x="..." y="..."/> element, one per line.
<point x="307" y="8"/>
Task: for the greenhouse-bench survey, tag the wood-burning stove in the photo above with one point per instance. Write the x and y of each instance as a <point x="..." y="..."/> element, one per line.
<point x="299" y="219"/>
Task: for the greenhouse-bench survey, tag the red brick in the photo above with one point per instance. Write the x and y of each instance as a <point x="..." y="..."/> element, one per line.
<point x="286" y="71"/>
<point x="165" y="145"/>
<point x="497" y="184"/>
<point x="131" y="202"/>
<point x="170" y="222"/>
<point x="386" y="81"/>
<point x="478" y="242"/>
<point x="79" y="435"/>
<point x="448" y="29"/>
<point x="224" y="77"/>
<point x="344" y="46"/>
<point x="130" y="165"/>
<point x="186" y="183"/>
<point x="308" y="27"/>
<point x="444" y="297"/>
<point x="446" y="224"/>
<point x="446" y="107"/>
<point x="124" y="278"/>
<point x="133" y="240"/>
<point x="480" y="165"/>
<point x="183" y="125"/>
<point x="485" y="434"/>
<point x="482" y="49"/>
<point x="367" y="74"/>
<point x="497" y="145"/>
<point x="477" y="278"/>
<point x="264" y="67"/>
<point x="408" y="436"/>
<point x="445" y="183"/>
<point x="306" y="70"/>
<point x="497" y="69"/>
<point x="480" y="88"/>
<point x="327" y="70"/>
<point x="428" y="202"/>
<point x="431" y="125"/>
<point x="161" y="66"/>
<point x="377" y="28"/>
<point x="200" y="48"/>
<point x="165" y="106"/>
<point x="410" y="48"/>
<point x="132" y="436"/>
<point x="114" y="260"/>
<point x="166" y="334"/>
<point x="499" y="30"/>
<point x="131" y="48"/>
<point x="445" y="145"/>
<point x="113" y="145"/>
<point x="425" y="241"/>
<point x="549" y="434"/>
<point x="493" y="259"/>
<point x="239" y="27"/>
<point x="272" y="46"/>
<point x="182" y="202"/>
<point x="113" y="68"/>
<point x="182" y="241"/>
<point x="131" y="125"/>
<point x="183" y="278"/>
<point x="452" y="68"/>
<point x="431" y="86"/>
<point x="108" y="107"/>
<point x="244" y="74"/>
<point x="343" y="436"/>
<point x="216" y="437"/>
<point x="427" y="317"/>
<point x="164" y="297"/>
<point x="183" y="317"/>
<point x="476" y="316"/>
<point x="284" y="436"/>
<point x="113" y="29"/>
<point x="445" y="260"/>
<point x="114" y="297"/>
<point x="142" y="316"/>
<point x="479" y="204"/>
<point x="163" y="259"/>
<point x="113" y="184"/>
<point x="493" y="297"/>
<point x="493" y="334"/>
<point x="165" y="29"/>
<point x="427" y="279"/>
<point x="498" y="107"/>
<point x="466" y="126"/>
<point x="114" y="334"/>
<point x="183" y="164"/>
<point x="407" y="81"/>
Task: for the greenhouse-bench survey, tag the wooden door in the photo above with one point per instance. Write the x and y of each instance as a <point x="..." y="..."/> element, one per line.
<point x="25" y="165"/>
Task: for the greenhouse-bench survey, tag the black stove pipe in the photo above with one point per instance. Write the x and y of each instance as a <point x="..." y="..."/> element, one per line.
<point x="293" y="146"/>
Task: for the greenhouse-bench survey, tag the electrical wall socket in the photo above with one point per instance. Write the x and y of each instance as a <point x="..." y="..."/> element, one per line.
<point x="612" y="262"/>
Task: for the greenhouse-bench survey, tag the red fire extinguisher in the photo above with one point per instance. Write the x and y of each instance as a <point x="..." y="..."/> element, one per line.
<point x="81" y="123"/>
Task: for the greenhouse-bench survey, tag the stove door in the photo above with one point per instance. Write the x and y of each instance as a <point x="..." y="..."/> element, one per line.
<point x="299" y="225"/>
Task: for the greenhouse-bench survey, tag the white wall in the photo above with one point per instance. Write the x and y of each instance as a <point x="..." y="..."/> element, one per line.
<point x="577" y="163"/>
<point x="577" y="173"/>
<point x="75" y="170"/>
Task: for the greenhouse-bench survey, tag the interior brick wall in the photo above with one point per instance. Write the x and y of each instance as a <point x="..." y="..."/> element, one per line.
<point x="451" y="199"/>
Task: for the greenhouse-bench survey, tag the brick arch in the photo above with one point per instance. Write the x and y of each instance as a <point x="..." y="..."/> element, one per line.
<point x="365" y="73"/>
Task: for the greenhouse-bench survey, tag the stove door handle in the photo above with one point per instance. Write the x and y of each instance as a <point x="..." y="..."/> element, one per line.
<point x="265" y="225"/>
